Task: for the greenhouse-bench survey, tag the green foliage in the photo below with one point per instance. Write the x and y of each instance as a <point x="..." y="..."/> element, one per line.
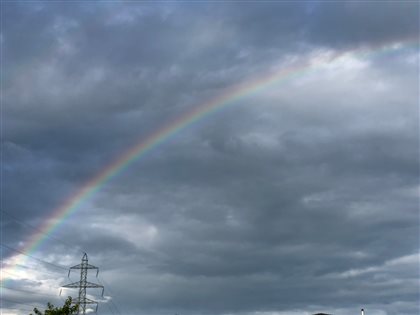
<point x="67" y="309"/>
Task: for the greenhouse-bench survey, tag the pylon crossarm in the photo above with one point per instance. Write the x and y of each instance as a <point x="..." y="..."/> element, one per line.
<point x="93" y="285"/>
<point x="86" y="266"/>
<point x="85" y="301"/>
<point x="88" y="285"/>
<point x="79" y="266"/>
<point x="72" y="285"/>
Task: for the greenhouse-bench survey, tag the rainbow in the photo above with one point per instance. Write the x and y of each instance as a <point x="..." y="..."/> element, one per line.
<point x="164" y="133"/>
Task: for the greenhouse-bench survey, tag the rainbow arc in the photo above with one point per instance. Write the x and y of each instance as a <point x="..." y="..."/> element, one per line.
<point x="206" y="109"/>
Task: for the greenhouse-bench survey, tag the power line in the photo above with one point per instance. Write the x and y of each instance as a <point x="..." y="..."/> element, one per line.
<point x="18" y="277"/>
<point x="43" y="261"/>
<point x="14" y="218"/>
<point x="31" y="292"/>
<point x="57" y="266"/>
<point x="40" y="231"/>
<point x="15" y="302"/>
<point x="12" y="274"/>
<point x="109" y="308"/>
<point x="38" y="259"/>
<point x="114" y="305"/>
<point x="25" y="267"/>
<point x="20" y="309"/>
<point x="2" y="286"/>
<point x="49" y="296"/>
<point x="111" y="300"/>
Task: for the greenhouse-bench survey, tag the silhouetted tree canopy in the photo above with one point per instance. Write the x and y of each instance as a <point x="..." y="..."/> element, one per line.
<point x="66" y="309"/>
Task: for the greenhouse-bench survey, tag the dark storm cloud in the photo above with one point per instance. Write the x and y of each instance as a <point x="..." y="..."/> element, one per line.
<point x="291" y="201"/>
<point x="353" y="22"/>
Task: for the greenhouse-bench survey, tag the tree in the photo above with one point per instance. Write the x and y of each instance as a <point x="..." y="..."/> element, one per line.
<point x="67" y="309"/>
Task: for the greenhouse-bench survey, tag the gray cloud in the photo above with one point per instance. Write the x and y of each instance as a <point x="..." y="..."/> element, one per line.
<point x="297" y="199"/>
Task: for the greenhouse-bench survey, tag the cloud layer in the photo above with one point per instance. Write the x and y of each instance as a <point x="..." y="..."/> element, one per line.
<point x="298" y="199"/>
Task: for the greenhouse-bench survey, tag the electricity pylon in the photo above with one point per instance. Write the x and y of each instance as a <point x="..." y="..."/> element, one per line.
<point x="83" y="284"/>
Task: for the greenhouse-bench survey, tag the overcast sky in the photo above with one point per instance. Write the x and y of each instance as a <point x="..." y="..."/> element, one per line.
<point x="297" y="199"/>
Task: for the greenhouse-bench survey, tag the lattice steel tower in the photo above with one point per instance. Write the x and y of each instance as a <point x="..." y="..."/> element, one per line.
<point x="83" y="284"/>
